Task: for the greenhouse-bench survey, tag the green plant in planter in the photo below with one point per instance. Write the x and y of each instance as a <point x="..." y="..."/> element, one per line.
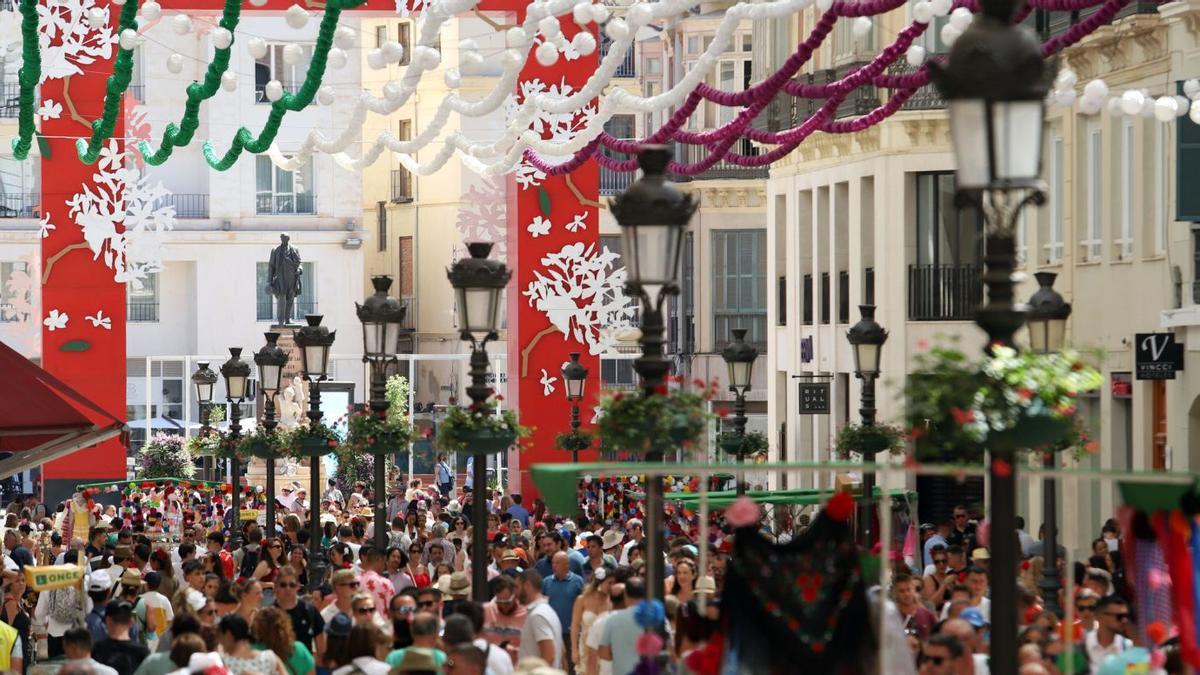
<point x="640" y="424"/>
<point x="261" y="443"/>
<point x="165" y="456"/>
<point x="1011" y="400"/>
<point x="203" y="446"/>
<point x="368" y="432"/>
<point x="479" y="430"/>
<point x="875" y="438"/>
<point x="750" y="445"/>
<point x="312" y="440"/>
<point x="574" y="441"/>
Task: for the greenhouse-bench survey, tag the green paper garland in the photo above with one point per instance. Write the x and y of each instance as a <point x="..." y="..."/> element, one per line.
<point x="244" y="138"/>
<point x="29" y="76"/>
<point x="118" y="82"/>
<point x="181" y="135"/>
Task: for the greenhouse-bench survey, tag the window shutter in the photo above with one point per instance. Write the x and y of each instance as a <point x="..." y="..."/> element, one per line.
<point x="1187" y="167"/>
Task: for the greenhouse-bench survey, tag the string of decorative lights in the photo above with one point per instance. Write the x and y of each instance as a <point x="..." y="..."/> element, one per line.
<point x="520" y="142"/>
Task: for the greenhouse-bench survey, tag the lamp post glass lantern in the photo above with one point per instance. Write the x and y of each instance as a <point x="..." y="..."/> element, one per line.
<point x="271" y="360"/>
<point x="479" y="284"/>
<point x="574" y="376"/>
<point x="739" y="357"/>
<point x="381" y="316"/>
<point x="315" y="341"/>
<point x="205" y="381"/>
<point x="995" y="81"/>
<point x="867" y="338"/>
<point x="1048" y="313"/>
<point x="237" y="375"/>
<point x="653" y="214"/>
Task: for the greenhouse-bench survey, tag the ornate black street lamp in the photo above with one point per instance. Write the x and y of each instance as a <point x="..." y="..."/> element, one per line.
<point x="237" y="377"/>
<point x="867" y="338"/>
<point x="995" y="82"/>
<point x="1048" y="314"/>
<point x="271" y="360"/>
<point x="739" y="357"/>
<point x="574" y="376"/>
<point x="381" y="316"/>
<point x="653" y="214"/>
<point x="315" y="342"/>
<point x="479" y="284"/>
<point x="205" y="380"/>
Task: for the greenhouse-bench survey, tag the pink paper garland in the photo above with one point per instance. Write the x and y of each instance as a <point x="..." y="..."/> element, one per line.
<point x="720" y="141"/>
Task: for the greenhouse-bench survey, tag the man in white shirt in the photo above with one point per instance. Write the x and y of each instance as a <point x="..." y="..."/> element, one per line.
<point x="1112" y="622"/>
<point x="635" y="532"/>
<point x="541" y="636"/>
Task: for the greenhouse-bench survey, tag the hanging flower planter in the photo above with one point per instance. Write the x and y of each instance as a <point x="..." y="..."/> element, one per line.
<point x="642" y="425"/>
<point x="574" y="441"/>
<point x="869" y="439"/>
<point x="376" y="435"/>
<point x="314" y="440"/>
<point x="752" y="443"/>
<point x="1012" y="400"/>
<point x="478" y="431"/>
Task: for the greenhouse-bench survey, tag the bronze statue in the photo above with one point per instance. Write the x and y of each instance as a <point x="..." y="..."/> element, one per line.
<point x="283" y="279"/>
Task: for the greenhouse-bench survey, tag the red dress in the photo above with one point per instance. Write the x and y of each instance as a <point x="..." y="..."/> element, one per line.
<point x="421" y="578"/>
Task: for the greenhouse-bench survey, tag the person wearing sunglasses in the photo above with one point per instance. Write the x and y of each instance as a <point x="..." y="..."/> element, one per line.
<point x="307" y="624"/>
<point x="941" y="656"/>
<point x="345" y="585"/>
<point x="1112" y="627"/>
<point x="1085" y="609"/>
<point x="937" y="584"/>
<point x="362" y="607"/>
<point x="402" y="609"/>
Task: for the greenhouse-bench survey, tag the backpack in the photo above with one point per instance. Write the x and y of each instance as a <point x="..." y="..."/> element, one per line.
<point x="249" y="562"/>
<point x="64" y="605"/>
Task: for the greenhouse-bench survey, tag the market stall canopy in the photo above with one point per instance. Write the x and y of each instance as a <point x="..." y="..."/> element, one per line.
<point x="798" y="497"/>
<point x="42" y="419"/>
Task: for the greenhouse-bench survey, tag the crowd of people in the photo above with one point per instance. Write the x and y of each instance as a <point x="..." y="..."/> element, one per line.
<point x="562" y="592"/>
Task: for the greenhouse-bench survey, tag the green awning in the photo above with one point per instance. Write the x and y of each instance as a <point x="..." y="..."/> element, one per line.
<point x="806" y="497"/>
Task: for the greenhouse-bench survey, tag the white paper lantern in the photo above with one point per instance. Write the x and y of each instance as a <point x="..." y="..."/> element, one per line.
<point x="428" y="57"/>
<point x="513" y="58"/>
<point x="549" y="27"/>
<point x="922" y="12"/>
<point x="1147" y="110"/>
<point x="941" y="7"/>
<point x="1089" y="105"/>
<point x="325" y="94"/>
<point x="961" y="17"/>
<point x="1066" y="98"/>
<point x="129" y="39"/>
<point x="949" y="34"/>
<point x="292" y="53"/>
<point x="861" y="26"/>
<point x="151" y="11"/>
<point x="393" y="51"/>
<point x="1131" y="102"/>
<point x="1194" y="112"/>
<point x="600" y="13"/>
<point x="617" y="29"/>
<point x="453" y="78"/>
<point x="229" y="80"/>
<point x="515" y="38"/>
<point x="1165" y="108"/>
<point x="296" y="17"/>
<point x="175" y="63"/>
<point x="584" y="43"/>
<point x="468" y="45"/>
<point x="547" y="54"/>
<point x="222" y="38"/>
<point x="97" y="18"/>
<point x="640" y="14"/>
<point x="337" y="58"/>
<point x="257" y="47"/>
<point x="273" y="90"/>
<point x="375" y="59"/>
<point x="915" y="55"/>
<point x="392" y="91"/>
<point x="582" y="13"/>
<point x="181" y="24"/>
<point x="1114" y="107"/>
<point x="1191" y="88"/>
<point x="1096" y="89"/>
<point x="1066" y="79"/>
<point x="344" y="37"/>
<point x="1181" y="105"/>
<point x="470" y="60"/>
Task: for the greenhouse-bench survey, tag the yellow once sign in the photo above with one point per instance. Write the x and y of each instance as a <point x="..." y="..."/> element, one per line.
<point x="249" y="514"/>
<point x="50" y="577"/>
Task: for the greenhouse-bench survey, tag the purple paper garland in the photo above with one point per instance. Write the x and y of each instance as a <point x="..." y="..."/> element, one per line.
<point x="755" y="99"/>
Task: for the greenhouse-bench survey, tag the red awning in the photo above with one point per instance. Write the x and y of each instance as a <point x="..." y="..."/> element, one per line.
<point x="41" y="418"/>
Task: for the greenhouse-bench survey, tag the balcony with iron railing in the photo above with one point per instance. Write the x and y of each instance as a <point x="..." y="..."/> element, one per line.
<point x="402" y="186"/>
<point x="924" y="98"/>
<point x="614" y="182"/>
<point x="141" y="311"/>
<point x="10" y="99"/>
<point x="627" y="68"/>
<point x="944" y="292"/>
<point x="190" y="206"/>
<point x="20" y="205"/>
<point x="691" y="154"/>
<point x="286" y="204"/>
